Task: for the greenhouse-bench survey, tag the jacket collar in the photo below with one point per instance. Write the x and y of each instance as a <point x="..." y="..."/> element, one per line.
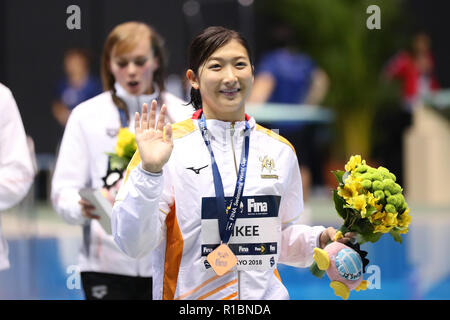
<point x="134" y="103"/>
<point x="222" y="131"/>
<point x="225" y="124"/>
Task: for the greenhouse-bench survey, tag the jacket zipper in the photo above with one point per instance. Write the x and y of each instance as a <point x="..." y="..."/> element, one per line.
<point x="232" y="148"/>
<point x="236" y="168"/>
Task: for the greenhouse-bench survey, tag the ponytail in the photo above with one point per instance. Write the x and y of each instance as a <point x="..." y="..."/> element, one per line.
<point x="196" y="99"/>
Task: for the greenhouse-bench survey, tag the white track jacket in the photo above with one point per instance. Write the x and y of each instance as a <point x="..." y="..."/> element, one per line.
<point x="172" y="214"/>
<point x="16" y="166"/>
<point x="90" y="134"/>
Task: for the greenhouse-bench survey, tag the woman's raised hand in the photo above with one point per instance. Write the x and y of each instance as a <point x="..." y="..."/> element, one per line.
<point x="155" y="145"/>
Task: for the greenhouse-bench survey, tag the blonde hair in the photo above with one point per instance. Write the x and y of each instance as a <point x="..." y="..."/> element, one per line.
<point x="124" y="38"/>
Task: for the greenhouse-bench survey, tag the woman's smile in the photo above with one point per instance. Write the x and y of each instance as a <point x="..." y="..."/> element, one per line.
<point x="230" y="93"/>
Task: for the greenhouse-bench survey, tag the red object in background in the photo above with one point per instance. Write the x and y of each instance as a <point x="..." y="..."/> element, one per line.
<point x="404" y="67"/>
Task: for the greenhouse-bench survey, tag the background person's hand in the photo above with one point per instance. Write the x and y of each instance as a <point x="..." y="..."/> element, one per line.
<point x="329" y="234"/>
<point x="87" y="209"/>
<point x="154" y="148"/>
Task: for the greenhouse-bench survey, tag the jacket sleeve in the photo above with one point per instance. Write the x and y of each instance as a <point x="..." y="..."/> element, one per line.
<point x="140" y="209"/>
<point x="71" y="172"/>
<point x="16" y="167"/>
<point x="297" y="241"/>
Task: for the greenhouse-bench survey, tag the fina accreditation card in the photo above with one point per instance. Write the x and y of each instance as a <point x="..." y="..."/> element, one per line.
<point x="222" y="259"/>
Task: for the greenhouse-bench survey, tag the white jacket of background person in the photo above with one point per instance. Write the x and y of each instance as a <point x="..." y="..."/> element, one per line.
<point x="90" y="133"/>
<point x="170" y="214"/>
<point x="16" y="168"/>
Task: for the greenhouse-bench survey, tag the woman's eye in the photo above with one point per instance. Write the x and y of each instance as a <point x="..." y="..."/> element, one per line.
<point x="241" y="64"/>
<point x="215" y="66"/>
<point x="122" y="64"/>
<point x="140" y="62"/>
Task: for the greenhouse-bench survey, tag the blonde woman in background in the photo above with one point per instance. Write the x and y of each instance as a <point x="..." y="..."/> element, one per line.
<point x="133" y="73"/>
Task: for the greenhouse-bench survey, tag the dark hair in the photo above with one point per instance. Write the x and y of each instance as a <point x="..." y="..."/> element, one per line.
<point x="204" y="45"/>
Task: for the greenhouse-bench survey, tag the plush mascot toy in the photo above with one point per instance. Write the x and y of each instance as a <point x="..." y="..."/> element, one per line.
<point x="344" y="266"/>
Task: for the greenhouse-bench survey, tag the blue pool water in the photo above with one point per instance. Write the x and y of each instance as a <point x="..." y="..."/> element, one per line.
<point x="37" y="272"/>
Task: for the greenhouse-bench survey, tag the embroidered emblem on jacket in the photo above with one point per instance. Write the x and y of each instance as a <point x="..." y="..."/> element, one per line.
<point x="112" y="132"/>
<point x="268" y="165"/>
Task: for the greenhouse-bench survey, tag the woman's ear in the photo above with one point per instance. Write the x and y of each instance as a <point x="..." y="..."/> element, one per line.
<point x="190" y="75"/>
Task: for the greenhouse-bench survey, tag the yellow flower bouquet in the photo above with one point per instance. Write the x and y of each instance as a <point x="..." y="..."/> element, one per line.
<point x="117" y="163"/>
<point x="371" y="204"/>
<point x="125" y="148"/>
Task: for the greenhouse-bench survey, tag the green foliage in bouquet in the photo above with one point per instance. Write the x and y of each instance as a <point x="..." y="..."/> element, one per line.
<point x="125" y="148"/>
<point x="370" y="202"/>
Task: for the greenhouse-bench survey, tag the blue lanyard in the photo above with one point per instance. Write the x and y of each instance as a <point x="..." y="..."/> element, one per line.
<point x="227" y="216"/>
<point x="123" y="119"/>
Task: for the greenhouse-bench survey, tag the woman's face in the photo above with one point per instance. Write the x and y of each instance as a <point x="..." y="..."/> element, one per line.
<point x="133" y="70"/>
<point x="225" y="80"/>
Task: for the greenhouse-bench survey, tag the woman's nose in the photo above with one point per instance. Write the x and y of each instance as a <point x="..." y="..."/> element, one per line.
<point x="131" y="68"/>
<point x="230" y="77"/>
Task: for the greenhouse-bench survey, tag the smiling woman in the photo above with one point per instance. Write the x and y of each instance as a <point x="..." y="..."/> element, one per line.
<point x="215" y="234"/>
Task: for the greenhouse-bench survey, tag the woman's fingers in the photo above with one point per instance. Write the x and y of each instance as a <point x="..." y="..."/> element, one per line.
<point x="348" y="237"/>
<point x="331" y="234"/>
<point x="137" y="122"/>
<point x="152" y="116"/>
<point x="148" y="120"/>
<point x="90" y="215"/>
<point x="144" y="117"/>
<point x="86" y="203"/>
<point x="87" y="209"/>
<point x="168" y="132"/>
<point x="161" y="118"/>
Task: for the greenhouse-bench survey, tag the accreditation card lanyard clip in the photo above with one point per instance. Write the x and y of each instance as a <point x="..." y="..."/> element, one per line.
<point x="222" y="258"/>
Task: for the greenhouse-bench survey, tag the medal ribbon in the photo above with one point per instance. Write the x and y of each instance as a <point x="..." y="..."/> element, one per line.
<point x="228" y="215"/>
<point x="123" y="119"/>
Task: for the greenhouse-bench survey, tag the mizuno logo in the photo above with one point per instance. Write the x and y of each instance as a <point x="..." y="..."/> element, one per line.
<point x="197" y="171"/>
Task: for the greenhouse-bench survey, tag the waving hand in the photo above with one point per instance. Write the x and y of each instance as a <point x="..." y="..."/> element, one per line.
<point x="155" y="144"/>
